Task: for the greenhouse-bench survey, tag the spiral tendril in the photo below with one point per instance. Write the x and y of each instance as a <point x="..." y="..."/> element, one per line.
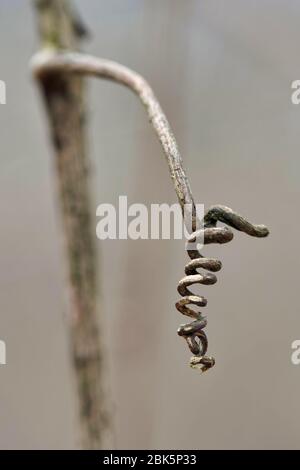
<point x="193" y="332"/>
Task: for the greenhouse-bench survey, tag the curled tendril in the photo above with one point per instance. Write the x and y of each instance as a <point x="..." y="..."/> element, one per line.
<point x="193" y="332"/>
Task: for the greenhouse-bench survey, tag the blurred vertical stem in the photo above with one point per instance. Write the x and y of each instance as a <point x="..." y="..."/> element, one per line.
<point x="59" y="29"/>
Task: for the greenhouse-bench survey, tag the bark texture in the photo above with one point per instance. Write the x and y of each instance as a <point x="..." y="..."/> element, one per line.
<point x="63" y="93"/>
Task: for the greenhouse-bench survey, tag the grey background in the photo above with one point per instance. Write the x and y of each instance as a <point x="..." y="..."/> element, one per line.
<point x="223" y="72"/>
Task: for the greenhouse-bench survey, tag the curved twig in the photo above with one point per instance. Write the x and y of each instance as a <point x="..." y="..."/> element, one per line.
<point x="51" y="61"/>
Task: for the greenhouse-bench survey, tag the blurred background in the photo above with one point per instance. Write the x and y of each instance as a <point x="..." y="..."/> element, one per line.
<point x="223" y="73"/>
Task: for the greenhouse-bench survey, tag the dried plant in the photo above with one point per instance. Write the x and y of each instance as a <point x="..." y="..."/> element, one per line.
<point x="59" y="70"/>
